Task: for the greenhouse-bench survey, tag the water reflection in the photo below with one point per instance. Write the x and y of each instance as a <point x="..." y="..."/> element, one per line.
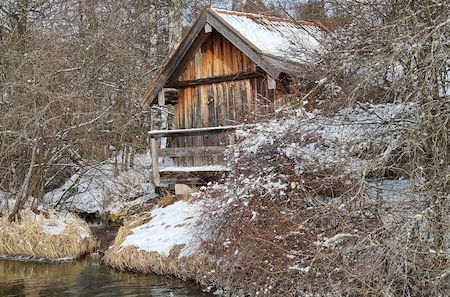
<point x="85" y="278"/>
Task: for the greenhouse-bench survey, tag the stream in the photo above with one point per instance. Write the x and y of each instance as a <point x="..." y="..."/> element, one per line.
<point x="87" y="277"/>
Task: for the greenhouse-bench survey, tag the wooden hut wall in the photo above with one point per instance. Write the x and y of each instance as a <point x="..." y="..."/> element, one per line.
<point x="220" y="103"/>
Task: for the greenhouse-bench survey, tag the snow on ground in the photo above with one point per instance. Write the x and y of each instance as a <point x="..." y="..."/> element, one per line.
<point x="103" y="188"/>
<point x="173" y="225"/>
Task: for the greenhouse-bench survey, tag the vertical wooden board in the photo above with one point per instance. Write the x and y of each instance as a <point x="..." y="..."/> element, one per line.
<point x="221" y="107"/>
<point x="217" y="57"/>
<point x="245" y="63"/>
<point x="204" y="61"/>
<point x="229" y="116"/>
<point x="234" y="60"/>
<point x="224" y="109"/>
<point x="213" y="55"/>
<point x="239" y="66"/>
<point x="250" y="96"/>
<point x="220" y="57"/>
<point x="204" y="105"/>
<point x="177" y="108"/>
<point x="225" y="50"/>
<point x="210" y="57"/>
<point x="242" y="96"/>
<point x="198" y="65"/>
<point x="233" y="101"/>
<point x="212" y="99"/>
<point x="237" y="101"/>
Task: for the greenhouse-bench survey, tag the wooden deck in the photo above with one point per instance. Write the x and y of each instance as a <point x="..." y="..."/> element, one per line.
<point x="193" y="175"/>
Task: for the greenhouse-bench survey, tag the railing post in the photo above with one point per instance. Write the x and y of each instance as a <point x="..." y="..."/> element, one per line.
<point x="232" y="137"/>
<point x="155" y="162"/>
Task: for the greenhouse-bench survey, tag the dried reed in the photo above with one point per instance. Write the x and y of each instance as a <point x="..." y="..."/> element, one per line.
<point x="31" y="236"/>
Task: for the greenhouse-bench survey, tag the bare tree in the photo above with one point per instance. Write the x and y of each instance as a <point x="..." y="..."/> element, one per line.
<point x="175" y="27"/>
<point x="238" y="5"/>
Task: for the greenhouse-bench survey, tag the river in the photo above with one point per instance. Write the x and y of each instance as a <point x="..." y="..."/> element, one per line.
<point x="86" y="278"/>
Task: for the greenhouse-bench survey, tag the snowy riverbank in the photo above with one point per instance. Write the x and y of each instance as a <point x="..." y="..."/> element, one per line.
<point x="165" y="241"/>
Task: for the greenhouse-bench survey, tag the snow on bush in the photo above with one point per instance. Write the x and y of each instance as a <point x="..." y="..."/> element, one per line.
<point x="313" y="201"/>
<point x="105" y="188"/>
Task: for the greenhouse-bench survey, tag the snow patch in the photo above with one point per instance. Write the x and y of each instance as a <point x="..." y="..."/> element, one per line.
<point x="173" y="225"/>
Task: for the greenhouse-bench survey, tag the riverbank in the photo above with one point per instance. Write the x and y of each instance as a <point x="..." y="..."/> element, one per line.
<point x="51" y="236"/>
<point x="165" y="241"/>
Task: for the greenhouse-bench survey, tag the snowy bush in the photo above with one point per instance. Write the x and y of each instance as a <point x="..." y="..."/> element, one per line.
<point x="313" y="201"/>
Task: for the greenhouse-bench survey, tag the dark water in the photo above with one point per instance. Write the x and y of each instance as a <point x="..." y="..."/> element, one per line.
<point x="85" y="278"/>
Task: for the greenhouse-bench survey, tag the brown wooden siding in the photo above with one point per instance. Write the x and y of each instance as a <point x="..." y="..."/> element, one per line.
<point x="218" y="104"/>
<point x="217" y="57"/>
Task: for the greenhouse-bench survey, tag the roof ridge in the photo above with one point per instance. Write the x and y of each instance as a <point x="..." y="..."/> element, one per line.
<point x="266" y="17"/>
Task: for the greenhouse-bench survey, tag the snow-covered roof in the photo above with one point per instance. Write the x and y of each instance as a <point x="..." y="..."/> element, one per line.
<point x="276" y="45"/>
<point x="282" y="38"/>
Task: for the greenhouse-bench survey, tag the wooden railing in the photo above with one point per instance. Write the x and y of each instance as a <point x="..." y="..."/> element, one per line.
<point x="157" y="152"/>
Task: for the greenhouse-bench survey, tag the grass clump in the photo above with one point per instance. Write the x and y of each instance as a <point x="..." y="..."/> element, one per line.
<point x="48" y="237"/>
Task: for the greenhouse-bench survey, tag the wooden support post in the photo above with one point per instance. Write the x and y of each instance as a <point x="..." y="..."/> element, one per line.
<point x="163" y="116"/>
<point x="161" y="98"/>
<point x="232" y="139"/>
<point x="155" y="163"/>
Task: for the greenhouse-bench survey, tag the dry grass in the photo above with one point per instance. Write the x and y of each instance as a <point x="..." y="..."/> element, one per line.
<point x="28" y="237"/>
<point x="168" y="198"/>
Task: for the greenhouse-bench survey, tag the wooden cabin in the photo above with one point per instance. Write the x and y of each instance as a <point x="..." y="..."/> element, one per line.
<point x="230" y="69"/>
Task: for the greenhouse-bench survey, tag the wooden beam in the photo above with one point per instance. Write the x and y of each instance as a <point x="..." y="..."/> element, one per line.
<point x="194" y="131"/>
<point x="215" y="79"/>
<point x="192" y="151"/>
<point x="155" y="161"/>
<point x="161" y="98"/>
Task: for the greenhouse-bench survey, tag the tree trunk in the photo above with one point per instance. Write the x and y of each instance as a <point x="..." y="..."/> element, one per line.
<point x="153" y="31"/>
<point x="238" y="5"/>
<point x="24" y="189"/>
<point x="174" y="24"/>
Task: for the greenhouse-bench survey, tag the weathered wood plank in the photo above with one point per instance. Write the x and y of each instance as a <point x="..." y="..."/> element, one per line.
<point x="216" y="79"/>
<point x="192" y="151"/>
<point x="210" y="168"/>
<point x="155" y="161"/>
<point x="194" y="131"/>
